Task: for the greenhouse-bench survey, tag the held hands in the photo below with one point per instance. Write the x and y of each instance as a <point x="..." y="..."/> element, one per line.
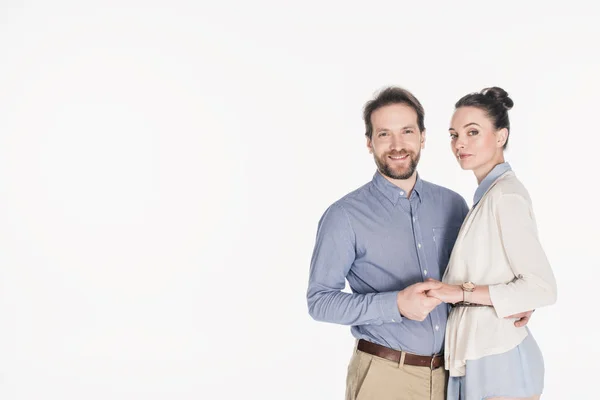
<point x="414" y="303"/>
<point x="445" y="293"/>
<point x="453" y="294"/>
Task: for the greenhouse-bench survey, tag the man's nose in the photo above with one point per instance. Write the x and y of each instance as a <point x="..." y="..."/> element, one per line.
<point x="397" y="142"/>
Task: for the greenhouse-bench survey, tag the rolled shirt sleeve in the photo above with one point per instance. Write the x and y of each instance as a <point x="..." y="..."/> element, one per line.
<point x="534" y="285"/>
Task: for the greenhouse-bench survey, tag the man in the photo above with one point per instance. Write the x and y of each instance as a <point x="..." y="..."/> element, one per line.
<point x="387" y="239"/>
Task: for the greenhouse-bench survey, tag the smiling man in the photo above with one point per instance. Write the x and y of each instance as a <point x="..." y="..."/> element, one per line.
<point x="387" y="238"/>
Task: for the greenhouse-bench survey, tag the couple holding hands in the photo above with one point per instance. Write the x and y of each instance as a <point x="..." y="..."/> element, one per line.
<point x="441" y="294"/>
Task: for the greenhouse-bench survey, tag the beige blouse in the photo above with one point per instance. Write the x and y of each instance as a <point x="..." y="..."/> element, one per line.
<point x="498" y="246"/>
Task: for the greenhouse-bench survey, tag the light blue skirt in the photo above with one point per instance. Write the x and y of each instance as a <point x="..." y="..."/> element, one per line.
<point x="517" y="373"/>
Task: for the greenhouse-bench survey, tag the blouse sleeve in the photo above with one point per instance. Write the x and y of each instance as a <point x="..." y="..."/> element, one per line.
<point x="534" y="285"/>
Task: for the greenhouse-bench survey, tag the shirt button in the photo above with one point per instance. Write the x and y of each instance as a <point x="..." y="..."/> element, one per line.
<point x="425" y="272"/>
<point x="414" y="219"/>
<point x="401" y="193"/>
<point x="393" y="320"/>
<point x="419" y="245"/>
<point x="437" y="327"/>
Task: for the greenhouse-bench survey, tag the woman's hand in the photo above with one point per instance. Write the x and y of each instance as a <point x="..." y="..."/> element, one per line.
<point x="447" y="293"/>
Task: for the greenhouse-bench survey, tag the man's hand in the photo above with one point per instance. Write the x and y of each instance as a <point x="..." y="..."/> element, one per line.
<point x="414" y="303"/>
<point x="521" y="318"/>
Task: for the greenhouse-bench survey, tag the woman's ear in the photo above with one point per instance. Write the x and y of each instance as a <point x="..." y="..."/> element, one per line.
<point x="501" y="137"/>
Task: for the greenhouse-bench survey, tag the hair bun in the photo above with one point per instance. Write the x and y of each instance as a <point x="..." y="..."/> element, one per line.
<point x="499" y="95"/>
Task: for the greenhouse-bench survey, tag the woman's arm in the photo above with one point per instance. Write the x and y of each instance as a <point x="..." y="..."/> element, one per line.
<point x="480" y="295"/>
<point x="534" y="285"/>
<point x="454" y="294"/>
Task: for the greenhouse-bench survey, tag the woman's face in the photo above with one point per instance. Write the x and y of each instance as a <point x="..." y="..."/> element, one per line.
<point x="474" y="140"/>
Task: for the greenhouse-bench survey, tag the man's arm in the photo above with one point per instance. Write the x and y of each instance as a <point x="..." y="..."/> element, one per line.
<point x="333" y="255"/>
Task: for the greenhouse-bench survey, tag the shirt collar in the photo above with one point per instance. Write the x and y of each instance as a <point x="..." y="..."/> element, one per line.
<point x="490" y="178"/>
<point x="392" y="192"/>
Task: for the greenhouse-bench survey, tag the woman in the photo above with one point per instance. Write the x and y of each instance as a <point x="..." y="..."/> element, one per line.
<point x="497" y="268"/>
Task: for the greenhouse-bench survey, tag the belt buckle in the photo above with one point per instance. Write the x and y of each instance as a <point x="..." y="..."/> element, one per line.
<point x="432" y="360"/>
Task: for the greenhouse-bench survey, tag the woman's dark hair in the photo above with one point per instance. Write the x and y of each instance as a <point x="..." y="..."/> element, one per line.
<point x="494" y="102"/>
<point x="388" y="96"/>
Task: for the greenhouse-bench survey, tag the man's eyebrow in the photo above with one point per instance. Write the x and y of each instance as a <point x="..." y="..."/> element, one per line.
<point x="404" y="127"/>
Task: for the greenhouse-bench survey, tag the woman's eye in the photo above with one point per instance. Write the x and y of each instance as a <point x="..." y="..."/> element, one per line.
<point x="473" y="132"/>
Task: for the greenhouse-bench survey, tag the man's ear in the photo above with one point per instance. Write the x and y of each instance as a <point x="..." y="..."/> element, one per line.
<point x="423" y="138"/>
<point x="370" y="145"/>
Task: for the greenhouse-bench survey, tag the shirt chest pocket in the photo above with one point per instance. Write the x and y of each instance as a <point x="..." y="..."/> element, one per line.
<point x="443" y="239"/>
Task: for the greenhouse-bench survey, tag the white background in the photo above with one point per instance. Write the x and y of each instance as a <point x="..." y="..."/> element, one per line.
<point x="163" y="166"/>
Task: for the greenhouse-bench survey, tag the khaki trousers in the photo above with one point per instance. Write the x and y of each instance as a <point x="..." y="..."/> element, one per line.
<point x="374" y="378"/>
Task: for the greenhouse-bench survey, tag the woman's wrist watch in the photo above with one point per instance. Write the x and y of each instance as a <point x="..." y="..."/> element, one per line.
<point x="468" y="288"/>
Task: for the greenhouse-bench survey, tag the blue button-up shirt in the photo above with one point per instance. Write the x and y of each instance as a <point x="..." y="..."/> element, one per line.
<point x="380" y="241"/>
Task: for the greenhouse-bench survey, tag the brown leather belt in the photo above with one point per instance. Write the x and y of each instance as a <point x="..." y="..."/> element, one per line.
<point x="432" y="362"/>
<point x="463" y="304"/>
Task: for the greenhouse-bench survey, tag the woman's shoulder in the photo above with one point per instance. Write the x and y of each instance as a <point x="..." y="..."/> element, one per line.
<point x="509" y="185"/>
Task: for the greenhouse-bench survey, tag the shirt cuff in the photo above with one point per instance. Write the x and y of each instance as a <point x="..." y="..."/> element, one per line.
<point x="388" y="305"/>
<point x="500" y="300"/>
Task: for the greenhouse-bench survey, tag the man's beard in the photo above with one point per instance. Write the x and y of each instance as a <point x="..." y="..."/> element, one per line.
<point x="404" y="173"/>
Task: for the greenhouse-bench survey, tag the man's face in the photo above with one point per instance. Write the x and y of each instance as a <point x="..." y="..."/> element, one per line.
<point x="396" y="141"/>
